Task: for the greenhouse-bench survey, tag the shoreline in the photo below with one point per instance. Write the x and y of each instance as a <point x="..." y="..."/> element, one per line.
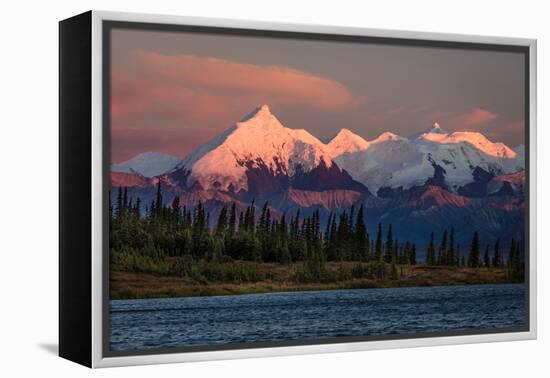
<point x="131" y="285"/>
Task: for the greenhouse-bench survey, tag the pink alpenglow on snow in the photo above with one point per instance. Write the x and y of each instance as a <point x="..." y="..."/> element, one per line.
<point x="260" y="139"/>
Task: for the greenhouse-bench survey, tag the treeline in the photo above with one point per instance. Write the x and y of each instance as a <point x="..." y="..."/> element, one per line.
<point x="170" y="230"/>
<point x="250" y="234"/>
<point x="448" y="253"/>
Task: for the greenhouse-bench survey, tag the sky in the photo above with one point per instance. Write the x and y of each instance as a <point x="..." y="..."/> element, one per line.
<point x="172" y="91"/>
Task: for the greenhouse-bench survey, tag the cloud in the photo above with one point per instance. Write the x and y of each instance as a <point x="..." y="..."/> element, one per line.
<point x="174" y="90"/>
<point x="477" y="117"/>
<point x="473" y="118"/>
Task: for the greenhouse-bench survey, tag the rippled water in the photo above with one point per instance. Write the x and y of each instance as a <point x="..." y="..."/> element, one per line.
<point x="200" y="321"/>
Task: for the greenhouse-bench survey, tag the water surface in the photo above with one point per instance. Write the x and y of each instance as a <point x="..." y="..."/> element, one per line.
<point x="201" y="321"/>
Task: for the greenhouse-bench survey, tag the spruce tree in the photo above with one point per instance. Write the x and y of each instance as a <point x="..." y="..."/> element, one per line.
<point x="263" y="224"/>
<point x="430" y="255"/>
<point x="138" y="208"/>
<point x="342" y="240"/>
<point x="473" y="258"/>
<point x="511" y="259"/>
<point x="361" y="242"/>
<point x="497" y="259"/>
<point x="441" y="257"/>
<point x="119" y="203"/>
<point x="486" y="259"/>
<point x="125" y="200"/>
<point x="294" y="244"/>
<point x="284" y="255"/>
<point x="368" y="249"/>
<point x="326" y="235"/>
<point x="412" y="256"/>
<point x="316" y="225"/>
<point x="331" y="253"/>
<point x="266" y="232"/>
<point x="518" y="263"/>
<point x="514" y="265"/>
<point x="251" y="218"/>
<point x="246" y="225"/>
<point x="351" y="218"/>
<point x="451" y="258"/>
<point x="152" y="211"/>
<point x="389" y="245"/>
<point x="232" y="219"/>
<point x="378" y="243"/>
<point x="158" y="199"/>
<point x="241" y="222"/>
<point x="221" y="226"/>
<point x="406" y="253"/>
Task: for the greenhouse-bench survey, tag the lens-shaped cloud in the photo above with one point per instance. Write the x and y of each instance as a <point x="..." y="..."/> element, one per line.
<point x="178" y="90"/>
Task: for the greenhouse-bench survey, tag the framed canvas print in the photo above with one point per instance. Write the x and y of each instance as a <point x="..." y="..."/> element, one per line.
<point x="234" y="189"/>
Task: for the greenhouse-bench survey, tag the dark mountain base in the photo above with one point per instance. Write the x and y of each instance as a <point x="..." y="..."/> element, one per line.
<point x="414" y="213"/>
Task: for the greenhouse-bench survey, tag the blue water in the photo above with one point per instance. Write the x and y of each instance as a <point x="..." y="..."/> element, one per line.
<point x="201" y="321"/>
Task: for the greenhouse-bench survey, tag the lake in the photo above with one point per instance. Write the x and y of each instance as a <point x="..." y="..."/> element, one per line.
<point x="202" y="321"/>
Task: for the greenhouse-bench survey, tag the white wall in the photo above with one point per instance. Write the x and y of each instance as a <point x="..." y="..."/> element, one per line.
<point x="28" y="150"/>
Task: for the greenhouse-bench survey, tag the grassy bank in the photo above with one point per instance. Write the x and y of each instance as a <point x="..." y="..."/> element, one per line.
<point x="248" y="278"/>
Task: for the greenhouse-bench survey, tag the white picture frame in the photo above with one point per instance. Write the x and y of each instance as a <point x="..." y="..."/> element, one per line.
<point x="99" y="358"/>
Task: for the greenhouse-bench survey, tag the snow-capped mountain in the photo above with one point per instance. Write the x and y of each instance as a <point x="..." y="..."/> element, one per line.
<point x="396" y="162"/>
<point x="259" y="142"/>
<point x="147" y="164"/>
<point x="427" y="182"/>
<point x="478" y="140"/>
<point x="261" y="156"/>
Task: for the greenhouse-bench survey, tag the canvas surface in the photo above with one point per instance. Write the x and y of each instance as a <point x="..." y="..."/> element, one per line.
<point x="283" y="190"/>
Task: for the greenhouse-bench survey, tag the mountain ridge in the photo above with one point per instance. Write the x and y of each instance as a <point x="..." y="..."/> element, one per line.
<point x="259" y="139"/>
<point x="418" y="183"/>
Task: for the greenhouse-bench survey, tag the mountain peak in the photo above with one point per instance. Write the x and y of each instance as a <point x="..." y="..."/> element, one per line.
<point x="346" y="134"/>
<point x="258" y="142"/>
<point x="262" y="119"/>
<point x="386" y="136"/>
<point x="435" y="129"/>
<point x="260" y="111"/>
<point x="345" y="142"/>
